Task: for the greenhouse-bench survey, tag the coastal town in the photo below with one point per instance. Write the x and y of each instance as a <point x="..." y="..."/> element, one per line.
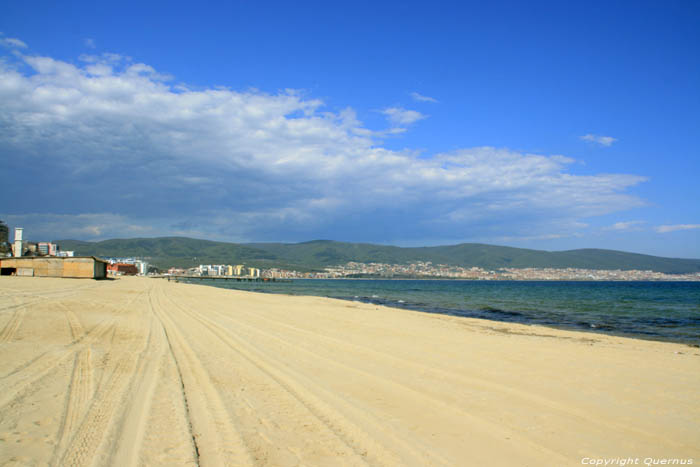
<point x="427" y="270"/>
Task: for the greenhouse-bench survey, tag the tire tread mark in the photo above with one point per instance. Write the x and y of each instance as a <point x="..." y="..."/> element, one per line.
<point x="42" y="296"/>
<point x="20" y="379"/>
<point x="216" y="440"/>
<point x="357" y="439"/>
<point x="87" y="445"/>
<point x="134" y="426"/>
<point x="76" y="329"/>
<point x="86" y="442"/>
<point x="26" y="374"/>
<point x="12" y="325"/>
<point x="80" y="393"/>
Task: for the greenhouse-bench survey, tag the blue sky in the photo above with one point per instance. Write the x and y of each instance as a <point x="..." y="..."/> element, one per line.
<point x="548" y="125"/>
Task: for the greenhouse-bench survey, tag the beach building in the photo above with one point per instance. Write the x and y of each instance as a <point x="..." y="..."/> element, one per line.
<point x="126" y="269"/>
<point x="87" y="267"/>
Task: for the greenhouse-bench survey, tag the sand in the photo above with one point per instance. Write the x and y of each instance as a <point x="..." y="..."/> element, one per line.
<point x="141" y="371"/>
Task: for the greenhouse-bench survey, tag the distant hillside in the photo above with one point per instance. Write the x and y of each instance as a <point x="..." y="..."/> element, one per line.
<point x="165" y="252"/>
<point x="186" y="252"/>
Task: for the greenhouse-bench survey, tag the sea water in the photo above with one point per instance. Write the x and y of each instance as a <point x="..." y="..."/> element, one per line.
<point x="654" y="310"/>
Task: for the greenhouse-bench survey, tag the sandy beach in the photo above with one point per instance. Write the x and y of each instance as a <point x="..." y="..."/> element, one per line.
<point x="141" y="371"/>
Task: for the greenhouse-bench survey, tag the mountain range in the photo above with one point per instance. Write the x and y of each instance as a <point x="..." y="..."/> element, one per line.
<point x="165" y="252"/>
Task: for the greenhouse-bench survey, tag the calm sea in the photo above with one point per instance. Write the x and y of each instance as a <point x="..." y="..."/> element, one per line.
<point x="653" y="310"/>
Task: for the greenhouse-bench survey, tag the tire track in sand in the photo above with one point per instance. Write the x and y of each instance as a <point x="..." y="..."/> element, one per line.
<point x="21" y="378"/>
<point x="76" y="329"/>
<point x="277" y="426"/>
<point x="217" y="442"/>
<point x="41" y="296"/>
<point x="88" y="444"/>
<point x="322" y="406"/>
<point x="12" y="325"/>
<point x="133" y="428"/>
<point x="80" y="393"/>
<point x="84" y="445"/>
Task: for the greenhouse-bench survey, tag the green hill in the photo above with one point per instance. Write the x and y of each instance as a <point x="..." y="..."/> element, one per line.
<point x="186" y="252"/>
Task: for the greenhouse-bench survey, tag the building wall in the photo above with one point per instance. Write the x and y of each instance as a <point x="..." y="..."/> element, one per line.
<point x="80" y="268"/>
<point x="100" y="270"/>
<point x="57" y="267"/>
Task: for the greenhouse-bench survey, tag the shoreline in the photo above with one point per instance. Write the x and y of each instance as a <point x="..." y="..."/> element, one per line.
<point x="693" y="342"/>
<point x="135" y="371"/>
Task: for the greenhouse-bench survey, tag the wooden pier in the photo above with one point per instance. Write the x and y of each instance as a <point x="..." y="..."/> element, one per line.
<point x="224" y="278"/>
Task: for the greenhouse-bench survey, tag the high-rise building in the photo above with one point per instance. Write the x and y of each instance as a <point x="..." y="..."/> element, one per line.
<point x="142" y="266"/>
<point x="4" y="233"/>
<point x="18" y="242"/>
<point x="5" y="247"/>
<point x="47" y="249"/>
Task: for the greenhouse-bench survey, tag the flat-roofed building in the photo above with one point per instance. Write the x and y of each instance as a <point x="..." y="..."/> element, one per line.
<point x="125" y="269"/>
<point x="87" y="267"/>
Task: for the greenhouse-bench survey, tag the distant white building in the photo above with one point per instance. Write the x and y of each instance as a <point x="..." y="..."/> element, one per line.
<point x="142" y="266"/>
<point x="18" y="242"/>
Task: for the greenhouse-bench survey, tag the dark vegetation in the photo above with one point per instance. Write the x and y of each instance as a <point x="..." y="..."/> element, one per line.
<point x="165" y="252"/>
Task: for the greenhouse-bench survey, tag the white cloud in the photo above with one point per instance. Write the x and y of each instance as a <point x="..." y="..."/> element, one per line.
<point x="624" y="226"/>
<point x="400" y="116"/>
<point x="420" y="98"/>
<point x="117" y="140"/>
<point x="674" y="228"/>
<point x="12" y="43"/>
<point x="89" y="43"/>
<point x="602" y="140"/>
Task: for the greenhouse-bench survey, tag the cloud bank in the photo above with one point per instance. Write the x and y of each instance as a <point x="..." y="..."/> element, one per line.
<point x="107" y="147"/>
